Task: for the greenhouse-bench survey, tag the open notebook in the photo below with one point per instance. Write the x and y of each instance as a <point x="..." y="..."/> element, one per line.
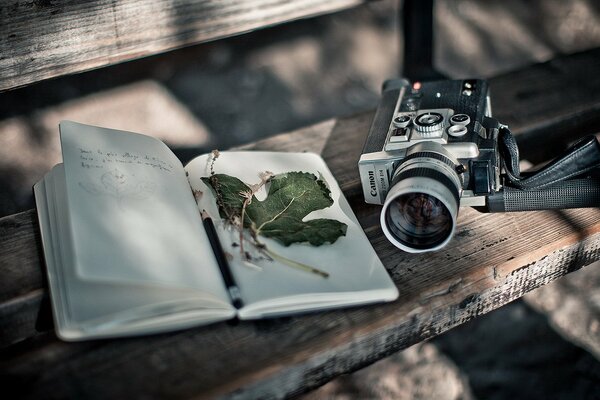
<point x="127" y="252"/>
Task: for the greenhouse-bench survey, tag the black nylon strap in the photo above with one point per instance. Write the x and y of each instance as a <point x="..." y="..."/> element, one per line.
<point x="581" y="158"/>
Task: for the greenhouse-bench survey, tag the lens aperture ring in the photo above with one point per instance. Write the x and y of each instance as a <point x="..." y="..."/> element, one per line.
<point x="430" y="154"/>
<point x="424" y="172"/>
<point x="445" y="165"/>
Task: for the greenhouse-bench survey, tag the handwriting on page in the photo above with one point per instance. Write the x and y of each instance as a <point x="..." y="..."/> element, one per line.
<point x="100" y="159"/>
<point x="113" y="181"/>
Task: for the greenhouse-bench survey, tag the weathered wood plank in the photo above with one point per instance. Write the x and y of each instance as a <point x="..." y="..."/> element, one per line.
<point x="22" y="282"/>
<point x="20" y="255"/>
<point x="45" y="39"/>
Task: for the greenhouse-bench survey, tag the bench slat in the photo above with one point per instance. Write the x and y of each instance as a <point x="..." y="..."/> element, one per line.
<point x="45" y="39"/>
<point x="20" y="255"/>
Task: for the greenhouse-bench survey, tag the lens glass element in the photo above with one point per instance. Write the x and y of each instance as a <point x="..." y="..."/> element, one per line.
<point x="419" y="220"/>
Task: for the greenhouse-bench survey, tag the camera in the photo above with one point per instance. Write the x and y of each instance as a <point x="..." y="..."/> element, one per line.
<point x="434" y="146"/>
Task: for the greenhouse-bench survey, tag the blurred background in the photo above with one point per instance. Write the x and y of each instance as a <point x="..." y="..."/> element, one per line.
<point x="233" y="91"/>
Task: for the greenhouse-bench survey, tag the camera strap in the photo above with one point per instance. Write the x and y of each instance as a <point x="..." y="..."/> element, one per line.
<point x="579" y="159"/>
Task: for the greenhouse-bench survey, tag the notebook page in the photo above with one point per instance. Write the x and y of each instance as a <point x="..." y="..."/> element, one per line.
<point x="92" y="309"/>
<point x="133" y="217"/>
<point x="356" y="275"/>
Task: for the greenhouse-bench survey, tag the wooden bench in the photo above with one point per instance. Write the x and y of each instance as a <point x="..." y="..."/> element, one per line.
<point x="43" y="39"/>
<point x="493" y="259"/>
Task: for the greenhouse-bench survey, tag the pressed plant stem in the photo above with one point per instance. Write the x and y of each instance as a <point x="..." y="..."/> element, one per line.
<point x="296" y="264"/>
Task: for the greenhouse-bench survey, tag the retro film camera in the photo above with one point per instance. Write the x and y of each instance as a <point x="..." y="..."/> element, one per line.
<point x="434" y="146"/>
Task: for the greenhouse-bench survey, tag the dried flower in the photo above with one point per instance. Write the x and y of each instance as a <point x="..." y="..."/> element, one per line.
<point x="247" y="194"/>
<point x="265" y="176"/>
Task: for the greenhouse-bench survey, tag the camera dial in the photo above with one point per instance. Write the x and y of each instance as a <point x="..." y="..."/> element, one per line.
<point x="402" y="121"/>
<point x="429" y="122"/>
<point x="460" y="119"/>
<point x="457" y="130"/>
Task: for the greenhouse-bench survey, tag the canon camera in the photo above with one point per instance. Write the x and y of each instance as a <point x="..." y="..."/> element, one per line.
<point x="434" y="146"/>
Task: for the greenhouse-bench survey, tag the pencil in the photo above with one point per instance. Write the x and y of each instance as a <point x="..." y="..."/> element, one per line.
<point x="232" y="288"/>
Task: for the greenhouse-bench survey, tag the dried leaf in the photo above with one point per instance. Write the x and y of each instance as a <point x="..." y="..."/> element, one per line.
<point x="291" y="197"/>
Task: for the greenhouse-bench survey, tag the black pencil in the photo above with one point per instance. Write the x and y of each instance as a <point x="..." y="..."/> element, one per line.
<point x="232" y="288"/>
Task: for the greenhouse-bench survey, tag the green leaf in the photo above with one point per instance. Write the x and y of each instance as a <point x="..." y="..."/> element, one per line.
<point x="291" y="197"/>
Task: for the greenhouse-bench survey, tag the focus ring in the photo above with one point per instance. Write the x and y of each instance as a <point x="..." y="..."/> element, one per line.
<point x="430" y="154"/>
<point x="422" y="172"/>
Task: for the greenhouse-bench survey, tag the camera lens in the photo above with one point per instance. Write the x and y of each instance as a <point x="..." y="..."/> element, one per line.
<point x="421" y="206"/>
<point x="419" y="220"/>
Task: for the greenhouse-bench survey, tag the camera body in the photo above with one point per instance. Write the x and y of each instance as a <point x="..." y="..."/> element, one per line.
<point x="437" y="139"/>
<point x="434" y="146"/>
<point x="455" y="115"/>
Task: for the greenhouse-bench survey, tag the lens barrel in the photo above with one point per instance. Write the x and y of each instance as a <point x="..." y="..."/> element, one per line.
<point x="420" y="209"/>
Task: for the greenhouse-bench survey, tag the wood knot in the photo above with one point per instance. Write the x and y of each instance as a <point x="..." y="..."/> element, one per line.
<point x="468" y="300"/>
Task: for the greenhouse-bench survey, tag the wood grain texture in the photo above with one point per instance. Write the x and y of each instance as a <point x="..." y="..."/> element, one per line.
<point x="20" y="255"/>
<point x="493" y="259"/>
<point x="45" y="39"/>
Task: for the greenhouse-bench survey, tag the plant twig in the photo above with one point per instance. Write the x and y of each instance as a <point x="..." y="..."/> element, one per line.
<point x="247" y="195"/>
<point x="296" y="264"/>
